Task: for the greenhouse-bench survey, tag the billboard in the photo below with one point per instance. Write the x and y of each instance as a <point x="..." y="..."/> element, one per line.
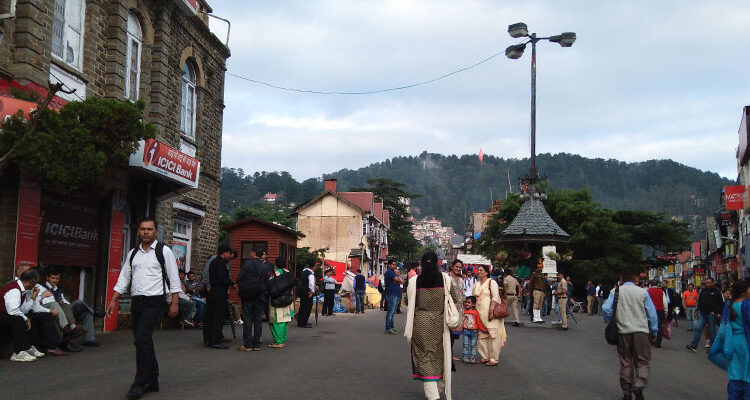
<point x="156" y="157"/>
<point x="734" y="197"/>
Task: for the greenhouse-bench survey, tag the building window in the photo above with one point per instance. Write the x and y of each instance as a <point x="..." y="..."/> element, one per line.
<point x="133" y="61"/>
<point x="187" y="105"/>
<point x="67" y="31"/>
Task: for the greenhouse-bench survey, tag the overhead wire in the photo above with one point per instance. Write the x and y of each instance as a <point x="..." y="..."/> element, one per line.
<point x="412" y="85"/>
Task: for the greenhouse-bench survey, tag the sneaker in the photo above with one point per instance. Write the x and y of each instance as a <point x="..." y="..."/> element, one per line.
<point x="393" y="331"/>
<point x="708" y="344"/>
<point x="188" y="322"/>
<point x="243" y="348"/>
<point x="691" y="347"/>
<point x="238" y="322"/>
<point x="32" y="351"/>
<point x="22" y="356"/>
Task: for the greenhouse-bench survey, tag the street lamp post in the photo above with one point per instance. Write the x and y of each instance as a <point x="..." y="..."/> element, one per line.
<point x="519" y="30"/>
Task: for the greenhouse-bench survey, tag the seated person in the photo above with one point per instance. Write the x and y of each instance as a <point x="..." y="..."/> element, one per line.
<point x="187" y="305"/>
<point x="21" y="299"/>
<point x="77" y="311"/>
<point x="192" y="288"/>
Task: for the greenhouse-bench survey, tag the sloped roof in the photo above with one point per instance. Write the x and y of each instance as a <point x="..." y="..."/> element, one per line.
<point x="273" y="225"/>
<point x="378" y="211"/>
<point x="295" y="211"/>
<point x="387" y="218"/>
<point x="363" y="200"/>
<point x="533" y="224"/>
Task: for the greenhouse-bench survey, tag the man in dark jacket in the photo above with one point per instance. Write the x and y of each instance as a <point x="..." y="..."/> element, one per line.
<point x="710" y="305"/>
<point x="252" y="307"/>
<point x="217" y="300"/>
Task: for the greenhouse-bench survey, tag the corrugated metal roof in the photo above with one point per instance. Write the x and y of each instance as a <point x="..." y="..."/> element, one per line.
<point x="533" y="223"/>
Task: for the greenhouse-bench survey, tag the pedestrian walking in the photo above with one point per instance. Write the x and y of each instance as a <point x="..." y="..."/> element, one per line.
<point x="637" y="324"/>
<point x="562" y="300"/>
<point x="491" y="342"/>
<point x="731" y="348"/>
<point x="660" y="303"/>
<point x="305" y="291"/>
<point x="393" y="284"/>
<point x="329" y="292"/>
<point x="590" y="297"/>
<point x="360" y="287"/>
<point x="426" y="330"/>
<point x="281" y="311"/>
<point x="458" y="282"/>
<point x="150" y="274"/>
<point x="710" y="306"/>
<point x="689" y="304"/>
<point x="251" y="283"/>
<point x="512" y="290"/>
<point x="217" y="302"/>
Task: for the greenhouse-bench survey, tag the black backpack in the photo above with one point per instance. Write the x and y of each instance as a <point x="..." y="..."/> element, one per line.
<point x="280" y="284"/>
<point x="160" y="258"/>
<point x="251" y="286"/>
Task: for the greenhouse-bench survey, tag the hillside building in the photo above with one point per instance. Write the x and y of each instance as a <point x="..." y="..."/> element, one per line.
<point x="161" y="52"/>
<point x="352" y="226"/>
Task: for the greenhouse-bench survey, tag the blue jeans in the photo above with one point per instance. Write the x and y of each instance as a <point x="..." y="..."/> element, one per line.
<point x="738" y="390"/>
<point x="470" y="346"/>
<point x="704" y="318"/>
<point x="200" y="308"/>
<point x="359" y="295"/>
<point x="392" y="304"/>
<point x="690" y="315"/>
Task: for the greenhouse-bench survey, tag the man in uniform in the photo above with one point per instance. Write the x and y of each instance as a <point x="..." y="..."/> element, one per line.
<point x="512" y="289"/>
<point x="217" y="301"/>
<point x="536" y="281"/>
<point x="152" y="279"/>
<point x="562" y="300"/>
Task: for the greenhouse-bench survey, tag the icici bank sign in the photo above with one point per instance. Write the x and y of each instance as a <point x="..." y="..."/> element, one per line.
<point x="157" y="157"/>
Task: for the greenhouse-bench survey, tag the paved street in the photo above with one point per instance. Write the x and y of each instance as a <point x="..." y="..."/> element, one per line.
<point x="349" y="356"/>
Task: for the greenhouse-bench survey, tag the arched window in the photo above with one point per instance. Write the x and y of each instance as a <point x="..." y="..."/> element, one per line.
<point x="187" y="105"/>
<point x="133" y="61"/>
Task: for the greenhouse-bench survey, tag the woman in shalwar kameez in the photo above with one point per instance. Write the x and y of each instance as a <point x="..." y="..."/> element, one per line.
<point x="491" y="342"/>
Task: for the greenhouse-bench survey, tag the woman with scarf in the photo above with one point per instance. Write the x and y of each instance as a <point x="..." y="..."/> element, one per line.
<point x="489" y="343"/>
<point x="426" y="329"/>
<point x="730" y="348"/>
<point x="280" y="316"/>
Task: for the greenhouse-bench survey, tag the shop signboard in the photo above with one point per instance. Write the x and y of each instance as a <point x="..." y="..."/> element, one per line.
<point x="696" y="249"/>
<point x="734" y="197"/>
<point x="69" y="230"/>
<point x="156" y="157"/>
<point x="27" y="228"/>
<point x="180" y="249"/>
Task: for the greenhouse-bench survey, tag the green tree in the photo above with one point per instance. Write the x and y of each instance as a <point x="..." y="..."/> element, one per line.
<point x="400" y="239"/>
<point x="266" y="212"/>
<point x="71" y="149"/>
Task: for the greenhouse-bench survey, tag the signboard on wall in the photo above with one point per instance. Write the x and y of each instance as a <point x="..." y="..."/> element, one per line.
<point x="734" y="197"/>
<point x="158" y="158"/>
<point x="69" y="230"/>
<point x="27" y="228"/>
<point x="180" y="249"/>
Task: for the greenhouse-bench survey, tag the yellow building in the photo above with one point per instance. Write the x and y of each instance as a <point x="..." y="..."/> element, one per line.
<point x="347" y="224"/>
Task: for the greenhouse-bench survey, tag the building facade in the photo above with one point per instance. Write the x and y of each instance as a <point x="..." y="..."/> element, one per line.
<point x="161" y="52"/>
<point x="351" y="226"/>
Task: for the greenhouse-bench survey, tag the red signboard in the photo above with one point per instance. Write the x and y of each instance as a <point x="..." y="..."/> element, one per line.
<point x="157" y="157"/>
<point x="69" y="230"/>
<point x="719" y="263"/>
<point x="734" y="197"/>
<point x="27" y="228"/>
<point x="113" y="266"/>
<point x="696" y="249"/>
<point x="699" y="271"/>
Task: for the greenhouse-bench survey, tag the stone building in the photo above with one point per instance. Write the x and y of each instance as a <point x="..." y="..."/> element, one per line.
<point x="158" y="51"/>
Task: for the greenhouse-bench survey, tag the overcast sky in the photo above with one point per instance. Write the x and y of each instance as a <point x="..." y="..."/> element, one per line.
<point x="644" y="80"/>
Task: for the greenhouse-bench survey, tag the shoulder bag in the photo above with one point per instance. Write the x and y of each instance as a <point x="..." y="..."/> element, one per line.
<point x="610" y="332"/>
<point x="498" y="310"/>
<point x="452" y="317"/>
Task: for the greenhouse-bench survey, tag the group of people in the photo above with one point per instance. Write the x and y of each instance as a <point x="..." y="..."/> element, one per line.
<point x="40" y="320"/>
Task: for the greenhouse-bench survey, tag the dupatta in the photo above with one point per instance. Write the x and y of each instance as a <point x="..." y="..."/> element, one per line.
<point x="722" y="348"/>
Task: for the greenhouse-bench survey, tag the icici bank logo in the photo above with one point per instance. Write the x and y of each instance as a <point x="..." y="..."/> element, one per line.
<point x="149" y="156"/>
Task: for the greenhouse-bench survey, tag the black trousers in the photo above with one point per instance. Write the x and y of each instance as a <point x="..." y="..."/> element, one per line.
<point x="252" y="318"/>
<point x="145" y="314"/>
<point x="216" y="313"/>
<point x="44" y="330"/>
<point x="18" y="333"/>
<point x="328" y="296"/>
<point x="660" y="317"/>
<point x="305" y="307"/>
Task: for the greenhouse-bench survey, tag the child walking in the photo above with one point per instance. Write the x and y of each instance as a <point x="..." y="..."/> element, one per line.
<point x="472" y="323"/>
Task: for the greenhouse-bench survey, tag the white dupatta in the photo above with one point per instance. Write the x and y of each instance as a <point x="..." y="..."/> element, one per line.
<point x="411" y="298"/>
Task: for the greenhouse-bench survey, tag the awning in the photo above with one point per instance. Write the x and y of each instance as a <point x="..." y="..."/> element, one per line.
<point x="10" y="106"/>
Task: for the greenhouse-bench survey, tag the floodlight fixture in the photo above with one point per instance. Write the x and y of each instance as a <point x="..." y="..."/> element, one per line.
<point x="515" y="51"/>
<point x="566" y="39"/>
<point x="518" y="30"/>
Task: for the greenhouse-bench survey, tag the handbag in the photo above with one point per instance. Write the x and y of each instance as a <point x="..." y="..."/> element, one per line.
<point x="282" y="301"/>
<point x="452" y="318"/>
<point x="610" y="332"/>
<point x="498" y="310"/>
<point x="666" y="330"/>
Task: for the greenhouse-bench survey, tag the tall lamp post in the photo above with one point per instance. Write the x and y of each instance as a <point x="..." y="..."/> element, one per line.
<point x="519" y="30"/>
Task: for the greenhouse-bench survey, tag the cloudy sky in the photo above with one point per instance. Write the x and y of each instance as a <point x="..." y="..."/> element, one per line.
<point x="644" y="80"/>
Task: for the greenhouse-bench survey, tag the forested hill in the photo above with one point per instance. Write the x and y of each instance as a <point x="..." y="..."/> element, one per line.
<point x="452" y="187"/>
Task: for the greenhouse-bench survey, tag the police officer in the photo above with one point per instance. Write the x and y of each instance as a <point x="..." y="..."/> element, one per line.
<point x="153" y="281"/>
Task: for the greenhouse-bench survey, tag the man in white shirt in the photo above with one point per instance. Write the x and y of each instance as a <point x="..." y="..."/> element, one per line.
<point x="469" y="283"/>
<point x="44" y="332"/>
<point x="151" y="286"/>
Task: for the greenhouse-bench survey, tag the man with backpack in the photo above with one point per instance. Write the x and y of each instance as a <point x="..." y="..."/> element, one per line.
<point x="150" y="274"/>
<point x="251" y="284"/>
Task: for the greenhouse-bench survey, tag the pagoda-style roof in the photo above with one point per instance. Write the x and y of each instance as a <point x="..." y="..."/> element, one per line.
<point x="533" y="224"/>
